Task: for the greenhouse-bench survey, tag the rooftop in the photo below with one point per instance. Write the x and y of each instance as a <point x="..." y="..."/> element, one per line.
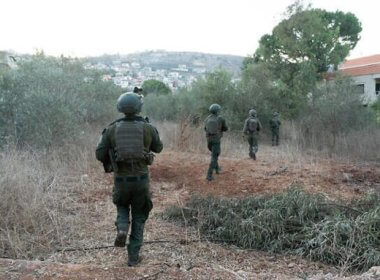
<point x="361" y="66"/>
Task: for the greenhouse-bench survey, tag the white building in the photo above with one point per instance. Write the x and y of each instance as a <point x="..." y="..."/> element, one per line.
<point x="365" y="72"/>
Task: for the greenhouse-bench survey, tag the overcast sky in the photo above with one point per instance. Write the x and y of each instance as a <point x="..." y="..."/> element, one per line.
<point x="95" y="27"/>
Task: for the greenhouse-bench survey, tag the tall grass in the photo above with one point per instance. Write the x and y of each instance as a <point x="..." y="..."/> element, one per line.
<point x="353" y="146"/>
<point x="38" y="190"/>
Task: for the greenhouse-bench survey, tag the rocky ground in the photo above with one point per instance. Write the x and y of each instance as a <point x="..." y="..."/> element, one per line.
<point x="175" y="252"/>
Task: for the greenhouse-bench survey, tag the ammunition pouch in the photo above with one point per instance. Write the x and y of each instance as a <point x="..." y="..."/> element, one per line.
<point x="149" y="158"/>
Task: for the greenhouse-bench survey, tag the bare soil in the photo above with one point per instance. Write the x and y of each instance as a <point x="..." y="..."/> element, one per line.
<point x="175" y="177"/>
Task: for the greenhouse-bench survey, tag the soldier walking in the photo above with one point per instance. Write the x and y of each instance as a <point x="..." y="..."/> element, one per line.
<point x="275" y="128"/>
<point x="215" y="125"/>
<point x="125" y="148"/>
<point x="251" y="128"/>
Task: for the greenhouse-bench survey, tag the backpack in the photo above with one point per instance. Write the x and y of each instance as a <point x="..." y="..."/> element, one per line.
<point x="252" y="125"/>
<point x="129" y="141"/>
<point x="212" y="125"/>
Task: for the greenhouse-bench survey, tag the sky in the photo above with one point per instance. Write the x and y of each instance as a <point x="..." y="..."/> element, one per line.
<point x="96" y="27"/>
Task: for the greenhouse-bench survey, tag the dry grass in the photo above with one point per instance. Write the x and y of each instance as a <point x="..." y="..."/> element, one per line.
<point x="52" y="199"/>
<point x="37" y="191"/>
<point x="358" y="145"/>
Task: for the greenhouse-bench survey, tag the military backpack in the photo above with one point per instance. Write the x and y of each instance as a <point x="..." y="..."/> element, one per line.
<point x="252" y="124"/>
<point x="212" y="125"/>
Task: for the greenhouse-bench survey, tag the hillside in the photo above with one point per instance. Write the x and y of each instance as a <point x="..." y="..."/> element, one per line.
<point x="168" y="60"/>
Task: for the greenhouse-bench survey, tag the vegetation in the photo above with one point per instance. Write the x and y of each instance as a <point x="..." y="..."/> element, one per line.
<point x="304" y="46"/>
<point x="47" y="100"/>
<point x="286" y="75"/>
<point x="293" y="222"/>
<point x="155" y="87"/>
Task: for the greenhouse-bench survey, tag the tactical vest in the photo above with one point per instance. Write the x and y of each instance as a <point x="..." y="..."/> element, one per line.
<point x="212" y="125"/>
<point x="129" y="141"/>
<point x="252" y="124"/>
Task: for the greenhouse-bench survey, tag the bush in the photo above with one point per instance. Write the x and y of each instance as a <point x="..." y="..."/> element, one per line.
<point x="47" y="100"/>
<point x="292" y="222"/>
<point x="334" y="109"/>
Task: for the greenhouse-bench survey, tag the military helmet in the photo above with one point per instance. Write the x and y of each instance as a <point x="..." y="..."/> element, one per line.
<point x="275" y="114"/>
<point x="252" y="113"/>
<point x="214" y="108"/>
<point x="129" y="103"/>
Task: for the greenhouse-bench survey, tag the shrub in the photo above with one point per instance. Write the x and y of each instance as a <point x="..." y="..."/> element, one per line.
<point x="46" y="100"/>
<point x="292" y="222"/>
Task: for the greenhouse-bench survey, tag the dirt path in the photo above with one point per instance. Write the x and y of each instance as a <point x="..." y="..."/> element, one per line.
<point x="175" y="177"/>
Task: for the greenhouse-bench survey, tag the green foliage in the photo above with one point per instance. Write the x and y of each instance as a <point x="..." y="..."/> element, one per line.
<point x="161" y="107"/>
<point x="216" y="87"/>
<point x="310" y="38"/>
<point x="155" y="87"/>
<point x="376" y="107"/>
<point x="46" y="100"/>
<point x="303" y="46"/>
<point x="333" y="110"/>
<point x="292" y="222"/>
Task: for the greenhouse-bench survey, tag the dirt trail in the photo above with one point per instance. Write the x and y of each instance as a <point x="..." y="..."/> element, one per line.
<point x="245" y="176"/>
<point x="175" y="177"/>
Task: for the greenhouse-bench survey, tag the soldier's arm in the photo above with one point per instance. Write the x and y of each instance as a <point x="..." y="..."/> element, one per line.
<point x="156" y="145"/>
<point x="204" y="124"/>
<point x="103" y="146"/>
<point x="224" y="125"/>
<point x="245" y="128"/>
<point x="259" y="126"/>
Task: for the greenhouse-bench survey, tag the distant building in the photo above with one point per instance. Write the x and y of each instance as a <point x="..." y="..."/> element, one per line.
<point x="135" y="65"/>
<point x="365" y="72"/>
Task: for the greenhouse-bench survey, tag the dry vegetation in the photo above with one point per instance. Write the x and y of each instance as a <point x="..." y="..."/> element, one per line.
<point x="60" y="198"/>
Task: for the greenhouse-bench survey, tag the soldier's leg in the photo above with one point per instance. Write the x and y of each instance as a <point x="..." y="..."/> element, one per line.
<point x="250" y="142"/>
<point x="255" y="146"/>
<point x="277" y="138"/>
<point x="216" y="152"/>
<point x="122" y="218"/>
<point x="141" y="205"/>
<point x="121" y="198"/>
<point x="273" y="138"/>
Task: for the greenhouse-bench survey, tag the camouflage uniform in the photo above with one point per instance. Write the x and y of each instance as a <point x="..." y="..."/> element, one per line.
<point x="252" y="136"/>
<point x="213" y="143"/>
<point x="131" y="184"/>
<point x="275" y="128"/>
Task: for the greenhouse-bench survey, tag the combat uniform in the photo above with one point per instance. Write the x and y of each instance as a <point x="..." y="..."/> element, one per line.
<point x="275" y="128"/>
<point x="213" y="143"/>
<point x="131" y="178"/>
<point x="252" y="133"/>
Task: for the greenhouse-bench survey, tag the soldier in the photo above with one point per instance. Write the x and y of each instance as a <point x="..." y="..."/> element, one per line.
<point x="215" y="125"/>
<point x="275" y="128"/>
<point x="251" y="128"/>
<point x="125" y="148"/>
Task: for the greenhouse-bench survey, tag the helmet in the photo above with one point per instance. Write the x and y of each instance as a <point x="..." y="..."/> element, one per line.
<point x="214" y="108"/>
<point x="129" y="103"/>
<point x="252" y="113"/>
<point x="275" y="114"/>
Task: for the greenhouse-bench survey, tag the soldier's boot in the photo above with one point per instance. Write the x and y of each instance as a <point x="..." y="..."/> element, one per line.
<point x="218" y="169"/>
<point x="210" y="170"/>
<point x="134" y="261"/>
<point x="253" y="156"/>
<point x="121" y="238"/>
